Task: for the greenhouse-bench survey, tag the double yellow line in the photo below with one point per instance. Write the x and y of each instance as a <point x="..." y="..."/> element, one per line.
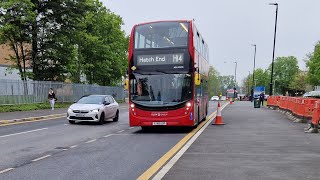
<point x="165" y="158"/>
<point x="35" y="119"/>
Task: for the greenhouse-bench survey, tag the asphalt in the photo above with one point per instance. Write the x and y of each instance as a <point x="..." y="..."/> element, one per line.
<point x="26" y="114"/>
<point x="254" y="144"/>
<point x="83" y="151"/>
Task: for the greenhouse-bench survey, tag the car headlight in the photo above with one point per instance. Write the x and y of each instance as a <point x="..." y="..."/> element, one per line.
<point x="95" y="110"/>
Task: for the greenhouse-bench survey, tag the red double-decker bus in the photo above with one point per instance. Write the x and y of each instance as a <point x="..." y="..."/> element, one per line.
<point x="167" y="75"/>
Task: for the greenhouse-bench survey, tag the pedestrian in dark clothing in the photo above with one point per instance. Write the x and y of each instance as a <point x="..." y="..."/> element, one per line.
<point x="51" y="98"/>
<point x="261" y="98"/>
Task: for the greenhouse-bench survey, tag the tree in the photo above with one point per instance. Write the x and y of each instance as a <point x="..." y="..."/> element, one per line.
<point x="52" y="36"/>
<point x="16" y="17"/>
<point x="261" y="78"/>
<point x="102" y="46"/>
<point x="299" y="81"/>
<point x="285" y="69"/>
<point x="66" y="39"/>
<point x="313" y="64"/>
<point x="214" y="83"/>
<point x="227" y="82"/>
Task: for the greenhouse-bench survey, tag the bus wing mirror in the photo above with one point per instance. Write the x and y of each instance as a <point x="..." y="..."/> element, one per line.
<point x="197" y="79"/>
<point x="126" y="84"/>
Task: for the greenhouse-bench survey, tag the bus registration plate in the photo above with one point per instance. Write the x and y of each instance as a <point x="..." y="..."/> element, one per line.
<point x="159" y="123"/>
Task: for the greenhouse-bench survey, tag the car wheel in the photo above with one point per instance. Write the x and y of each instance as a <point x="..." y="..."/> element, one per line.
<point x="102" y="118"/>
<point x="116" y="118"/>
<point x="72" y="122"/>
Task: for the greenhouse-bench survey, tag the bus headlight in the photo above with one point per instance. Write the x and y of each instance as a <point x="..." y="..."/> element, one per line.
<point x="188" y="105"/>
<point x="132" y="107"/>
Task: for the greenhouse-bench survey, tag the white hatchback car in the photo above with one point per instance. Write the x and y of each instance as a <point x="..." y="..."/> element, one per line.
<point x="214" y="98"/>
<point x="94" y="108"/>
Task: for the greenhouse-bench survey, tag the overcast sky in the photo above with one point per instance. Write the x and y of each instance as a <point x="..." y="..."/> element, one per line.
<point x="231" y="26"/>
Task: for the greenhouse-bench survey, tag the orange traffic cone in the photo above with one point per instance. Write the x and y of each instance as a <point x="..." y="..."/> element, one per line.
<point x="218" y="117"/>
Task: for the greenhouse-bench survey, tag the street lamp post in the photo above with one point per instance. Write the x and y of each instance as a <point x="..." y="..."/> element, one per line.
<point x="254" y="68"/>
<point x="235" y="79"/>
<point x="274" y="45"/>
<point x="248" y="84"/>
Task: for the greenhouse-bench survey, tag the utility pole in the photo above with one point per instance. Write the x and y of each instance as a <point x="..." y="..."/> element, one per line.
<point x="274" y="46"/>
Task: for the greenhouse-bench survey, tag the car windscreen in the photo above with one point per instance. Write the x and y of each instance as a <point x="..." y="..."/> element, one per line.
<point x="91" y="100"/>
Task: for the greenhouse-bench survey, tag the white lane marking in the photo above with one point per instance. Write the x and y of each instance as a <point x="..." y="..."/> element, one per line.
<point x="120" y="131"/>
<point x="6" y="170"/>
<point x="25" y="132"/>
<point x="40" y="158"/>
<point x="71" y="147"/>
<point x="66" y="124"/>
<point x="108" y="135"/>
<point x="165" y="169"/>
<point x="93" y="140"/>
<point x="131" y="127"/>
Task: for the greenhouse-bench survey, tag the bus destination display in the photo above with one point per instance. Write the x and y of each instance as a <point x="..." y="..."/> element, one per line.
<point x="160" y="59"/>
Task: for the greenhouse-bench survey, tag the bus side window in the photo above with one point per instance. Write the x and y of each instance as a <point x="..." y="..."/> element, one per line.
<point x="199" y="90"/>
<point x="133" y="86"/>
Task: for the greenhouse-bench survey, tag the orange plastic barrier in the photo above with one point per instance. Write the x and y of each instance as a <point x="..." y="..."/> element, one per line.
<point x="316" y="113"/>
<point x="309" y="107"/>
<point x="298" y="106"/>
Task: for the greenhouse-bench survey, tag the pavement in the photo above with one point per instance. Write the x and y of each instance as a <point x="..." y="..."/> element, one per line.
<point x="254" y="144"/>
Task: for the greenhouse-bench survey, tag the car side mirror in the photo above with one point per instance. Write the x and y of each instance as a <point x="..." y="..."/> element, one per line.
<point x="106" y="103"/>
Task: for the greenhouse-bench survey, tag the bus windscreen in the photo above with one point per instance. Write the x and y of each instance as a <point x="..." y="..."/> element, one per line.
<point x="160" y="90"/>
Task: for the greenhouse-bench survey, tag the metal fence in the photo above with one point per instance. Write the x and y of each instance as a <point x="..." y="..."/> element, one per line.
<point x="25" y="92"/>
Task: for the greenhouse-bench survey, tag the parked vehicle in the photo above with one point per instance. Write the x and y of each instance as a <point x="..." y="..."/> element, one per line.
<point x="94" y="108"/>
<point x="214" y="98"/>
<point x="223" y="98"/>
<point x="313" y="94"/>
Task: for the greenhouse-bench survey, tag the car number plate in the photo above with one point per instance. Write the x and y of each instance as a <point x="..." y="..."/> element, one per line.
<point x="80" y="115"/>
<point x="159" y="123"/>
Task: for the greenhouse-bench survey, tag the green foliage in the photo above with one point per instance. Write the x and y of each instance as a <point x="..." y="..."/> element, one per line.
<point x="313" y="65"/>
<point x="67" y="39"/>
<point x="31" y="107"/>
<point x="16" y="17"/>
<point x="261" y="78"/>
<point x="299" y="81"/>
<point x="227" y="82"/>
<point x="214" y="82"/>
<point x="53" y="34"/>
<point x="102" y="46"/>
<point x="285" y="69"/>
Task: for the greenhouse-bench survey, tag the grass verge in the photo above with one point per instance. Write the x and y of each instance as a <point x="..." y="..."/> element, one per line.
<point x="31" y="107"/>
